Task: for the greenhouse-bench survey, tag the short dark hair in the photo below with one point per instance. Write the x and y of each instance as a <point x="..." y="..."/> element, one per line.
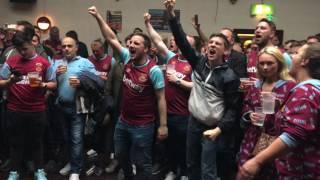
<point x="127" y="38"/>
<point x="21" y="38"/>
<point x="73" y="34"/>
<point x="38" y="37"/>
<point x="220" y="35"/>
<point x="36" y="27"/>
<point x="147" y="41"/>
<point x="290" y="41"/>
<point x="99" y="40"/>
<point x="28" y="27"/>
<point x="312" y="53"/>
<point x="270" y="23"/>
<point x="138" y="29"/>
<point x="314" y="37"/>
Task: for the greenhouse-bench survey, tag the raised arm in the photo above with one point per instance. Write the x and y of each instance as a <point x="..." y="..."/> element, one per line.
<point x="155" y="37"/>
<point x="179" y="35"/>
<point x="201" y="34"/>
<point x="106" y="31"/>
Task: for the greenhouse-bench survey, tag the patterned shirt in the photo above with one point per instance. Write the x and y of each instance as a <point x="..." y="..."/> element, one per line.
<point x="252" y="100"/>
<point x="300" y="120"/>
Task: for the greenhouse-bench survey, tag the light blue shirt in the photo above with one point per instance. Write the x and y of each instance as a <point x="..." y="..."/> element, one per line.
<point x="75" y="67"/>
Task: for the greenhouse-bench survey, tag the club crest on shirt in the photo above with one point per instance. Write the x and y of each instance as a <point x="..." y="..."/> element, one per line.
<point x="128" y="70"/>
<point x="39" y="67"/>
<point x="142" y="78"/>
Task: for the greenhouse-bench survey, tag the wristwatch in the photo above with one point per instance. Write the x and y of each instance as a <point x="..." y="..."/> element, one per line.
<point x="178" y="82"/>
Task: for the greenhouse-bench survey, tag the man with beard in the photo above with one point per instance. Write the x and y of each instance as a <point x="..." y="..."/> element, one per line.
<point x="142" y="91"/>
<point x="213" y="103"/>
<point x="264" y="33"/>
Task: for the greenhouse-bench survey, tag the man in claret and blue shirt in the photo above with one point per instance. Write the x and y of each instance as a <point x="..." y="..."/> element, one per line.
<point x="101" y="61"/>
<point x="26" y="103"/>
<point x="178" y="87"/>
<point x="142" y="97"/>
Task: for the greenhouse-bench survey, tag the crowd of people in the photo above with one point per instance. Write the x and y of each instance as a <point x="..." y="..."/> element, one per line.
<point x="202" y="98"/>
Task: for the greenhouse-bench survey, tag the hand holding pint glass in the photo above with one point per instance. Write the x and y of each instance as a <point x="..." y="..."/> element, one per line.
<point x="62" y="67"/>
<point x="245" y="84"/>
<point x="74" y="81"/>
<point x="34" y="79"/>
<point x="257" y="117"/>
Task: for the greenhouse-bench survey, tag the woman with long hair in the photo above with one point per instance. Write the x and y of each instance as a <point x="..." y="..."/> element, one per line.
<point x="273" y="77"/>
<point x="297" y="147"/>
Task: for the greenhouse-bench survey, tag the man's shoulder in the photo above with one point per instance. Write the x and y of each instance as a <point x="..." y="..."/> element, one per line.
<point x="229" y="74"/>
<point x="237" y="55"/>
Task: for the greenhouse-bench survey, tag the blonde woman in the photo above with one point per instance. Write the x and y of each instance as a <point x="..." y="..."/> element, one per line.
<point x="273" y="76"/>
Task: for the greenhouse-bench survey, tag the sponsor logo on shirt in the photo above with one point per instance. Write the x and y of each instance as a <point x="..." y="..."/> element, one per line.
<point x="252" y="69"/>
<point x="24" y="80"/>
<point x="131" y="84"/>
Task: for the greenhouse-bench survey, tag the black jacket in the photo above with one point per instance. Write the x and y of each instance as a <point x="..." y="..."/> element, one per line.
<point x="223" y="78"/>
<point x="92" y="89"/>
<point x="238" y="63"/>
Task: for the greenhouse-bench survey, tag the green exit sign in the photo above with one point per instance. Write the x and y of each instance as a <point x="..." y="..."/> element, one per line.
<point x="261" y="10"/>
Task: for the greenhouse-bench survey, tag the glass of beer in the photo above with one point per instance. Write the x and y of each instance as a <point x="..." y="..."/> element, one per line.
<point x="72" y="80"/>
<point x="34" y="79"/>
<point x="63" y="66"/>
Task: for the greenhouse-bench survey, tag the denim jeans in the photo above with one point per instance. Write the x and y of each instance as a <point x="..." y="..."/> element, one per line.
<point x="201" y="153"/>
<point x="177" y="127"/>
<point x="73" y="133"/>
<point x="133" y="145"/>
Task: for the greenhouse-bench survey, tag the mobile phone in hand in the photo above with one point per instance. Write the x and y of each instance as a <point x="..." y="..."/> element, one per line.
<point x="196" y="21"/>
<point x="16" y="72"/>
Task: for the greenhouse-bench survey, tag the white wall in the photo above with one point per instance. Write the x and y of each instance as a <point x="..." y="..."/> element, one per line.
<point x="298" y="18"/>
